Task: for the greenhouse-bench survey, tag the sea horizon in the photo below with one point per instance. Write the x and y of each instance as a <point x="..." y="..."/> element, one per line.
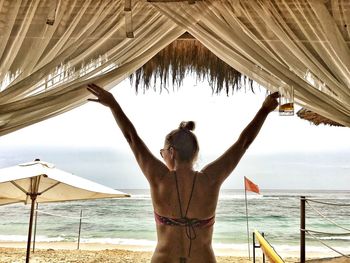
<point x="118" y="169"/>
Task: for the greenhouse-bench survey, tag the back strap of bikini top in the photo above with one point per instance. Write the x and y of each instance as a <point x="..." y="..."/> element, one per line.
<point x="190" y="231"/>
<point x="178" y="195"/>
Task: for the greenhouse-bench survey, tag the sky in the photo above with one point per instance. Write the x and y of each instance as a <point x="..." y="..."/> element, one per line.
<point x="219" y="122"/>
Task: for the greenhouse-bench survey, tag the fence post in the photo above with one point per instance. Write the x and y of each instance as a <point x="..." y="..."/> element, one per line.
<point x="253" y="247"/>
<point x="262" y="233"/>
<point x="302" y="229"/>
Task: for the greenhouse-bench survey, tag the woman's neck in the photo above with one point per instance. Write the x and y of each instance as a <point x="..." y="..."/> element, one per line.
<point x="181" y="166"/>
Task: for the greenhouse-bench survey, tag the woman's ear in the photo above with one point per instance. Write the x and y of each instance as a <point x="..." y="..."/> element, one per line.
<point x="172" y="152"/>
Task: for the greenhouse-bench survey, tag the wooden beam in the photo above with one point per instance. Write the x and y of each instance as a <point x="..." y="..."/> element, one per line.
<point x="127" y="6"/>
<point x="186" y="36"/>
<point x="173" y="1"/>
<point x="128" y="19"/>
<point x="128" y="25"/>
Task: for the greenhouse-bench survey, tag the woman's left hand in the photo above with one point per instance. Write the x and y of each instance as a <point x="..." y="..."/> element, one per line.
<point x="104" y="97"/>
<point x="271" y="102"/>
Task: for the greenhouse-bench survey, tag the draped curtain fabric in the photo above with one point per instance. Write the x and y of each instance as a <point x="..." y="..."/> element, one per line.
<point x="44" y="68"/>
<point x="300" y="43"/>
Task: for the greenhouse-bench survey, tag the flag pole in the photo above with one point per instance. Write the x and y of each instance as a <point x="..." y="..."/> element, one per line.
<point x="246" y="209"/>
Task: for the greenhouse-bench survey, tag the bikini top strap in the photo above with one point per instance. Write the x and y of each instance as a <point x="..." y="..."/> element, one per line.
<point x="189" y="200"/>
<point x="178" y="194"/>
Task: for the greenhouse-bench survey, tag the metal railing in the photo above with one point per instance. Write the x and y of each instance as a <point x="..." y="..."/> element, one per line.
<point x="80" y="218"/>
<point x="314" y="233"/>
<point x="255" y="245"/>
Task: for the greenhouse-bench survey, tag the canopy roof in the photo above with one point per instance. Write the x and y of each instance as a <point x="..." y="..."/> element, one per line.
<point x="187" y="56"/>
<point x="316" y="118"/>
<point x="50" y="49"/>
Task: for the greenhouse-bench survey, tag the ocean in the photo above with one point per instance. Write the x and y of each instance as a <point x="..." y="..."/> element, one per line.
<point x="130" y="221"/>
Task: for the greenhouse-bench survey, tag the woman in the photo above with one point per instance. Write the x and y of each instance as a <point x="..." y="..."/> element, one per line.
<point x="184" y="200"/>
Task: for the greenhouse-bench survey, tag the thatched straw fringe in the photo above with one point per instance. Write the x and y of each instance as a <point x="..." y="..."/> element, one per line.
<point x="315" y="118"/>
<point x="188" y="57"/>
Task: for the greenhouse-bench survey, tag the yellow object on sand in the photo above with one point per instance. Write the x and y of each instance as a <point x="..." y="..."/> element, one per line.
<point x="267" y="249"/>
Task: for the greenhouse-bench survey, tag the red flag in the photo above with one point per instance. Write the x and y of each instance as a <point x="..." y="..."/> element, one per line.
<point x="250" y="186"/>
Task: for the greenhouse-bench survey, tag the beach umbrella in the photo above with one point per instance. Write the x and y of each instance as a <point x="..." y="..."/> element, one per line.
<point x="41" y="182"/>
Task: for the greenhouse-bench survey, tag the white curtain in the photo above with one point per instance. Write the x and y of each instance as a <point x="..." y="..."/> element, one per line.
<point x="301" y="43"/>
<point x="44" y="68"/>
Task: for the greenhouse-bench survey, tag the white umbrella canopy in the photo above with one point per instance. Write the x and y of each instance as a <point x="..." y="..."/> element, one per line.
<point x="42" y="182"/>
<point x="50" y="184"/>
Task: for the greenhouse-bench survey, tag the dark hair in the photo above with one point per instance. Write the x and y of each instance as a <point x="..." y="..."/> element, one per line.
<point x="184" y="141"/>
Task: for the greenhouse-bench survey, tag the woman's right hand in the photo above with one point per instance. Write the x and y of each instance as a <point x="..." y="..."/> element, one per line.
<point x="103" y="96"/>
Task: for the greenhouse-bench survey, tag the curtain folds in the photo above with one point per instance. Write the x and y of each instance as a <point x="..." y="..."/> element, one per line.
<point x="53" y="78"/>
<point x="279" y="43"/>
<point x="44" y="68"/>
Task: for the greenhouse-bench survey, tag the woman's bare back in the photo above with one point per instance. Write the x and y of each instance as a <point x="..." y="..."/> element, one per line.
<point x="174" y="240"/>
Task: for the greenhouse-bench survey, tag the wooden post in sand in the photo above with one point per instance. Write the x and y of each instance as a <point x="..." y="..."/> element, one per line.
<point x="254" y="246"/>
<point x="246" y="211"/>
<point x="302" y="229"/>
<point x="81" y="215"/>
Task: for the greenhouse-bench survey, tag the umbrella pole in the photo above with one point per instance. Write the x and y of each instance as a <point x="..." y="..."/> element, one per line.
<point x="36" y="221"/>
<point x="33" y="197"/>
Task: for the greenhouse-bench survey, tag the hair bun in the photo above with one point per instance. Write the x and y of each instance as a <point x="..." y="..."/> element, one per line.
<point x="187" y="125"/>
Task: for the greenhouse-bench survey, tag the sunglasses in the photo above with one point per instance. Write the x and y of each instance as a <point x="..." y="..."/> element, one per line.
<point x="162" y="150"/>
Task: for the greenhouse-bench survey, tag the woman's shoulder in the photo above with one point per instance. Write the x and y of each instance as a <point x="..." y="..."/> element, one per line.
<point x="207" y="180"/>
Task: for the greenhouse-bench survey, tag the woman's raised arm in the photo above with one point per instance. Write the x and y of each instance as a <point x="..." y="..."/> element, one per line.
<point x="151" y="167"/>
<point x="222" y="167"/>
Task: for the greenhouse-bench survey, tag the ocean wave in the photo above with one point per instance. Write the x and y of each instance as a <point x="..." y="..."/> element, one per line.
<point x="276" y="196"/>
<point x="13" y="238"/>
<point x="221" y="197"/>
<point x="239" y="197"/>
<point x="120" y="241"/>
<point x="272" y="198"/>
<point x="139" y="197"/>
<point x="151" y="244"/>
<point x="335" y="238"/>
<point x="23" y="238"/>
<point x="310" y="248"/>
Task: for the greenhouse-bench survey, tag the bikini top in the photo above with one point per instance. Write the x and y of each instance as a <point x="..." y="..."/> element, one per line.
<point x="184" y="221"/>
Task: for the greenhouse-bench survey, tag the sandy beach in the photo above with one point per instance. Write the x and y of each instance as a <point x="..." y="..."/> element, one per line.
<point x="93" y="256"/>
<point x="50" y="252"/>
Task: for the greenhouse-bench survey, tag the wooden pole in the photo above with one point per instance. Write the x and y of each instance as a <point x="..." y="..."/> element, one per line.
<point x="246" y="209"/>
<point x="302" y="229"/>
<point x="35" y="223"/>
<point x="81" y="215"/>
<point x="263" y="252"/>
<point x="253" y="247"/>
<point x="33" y="197"/>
